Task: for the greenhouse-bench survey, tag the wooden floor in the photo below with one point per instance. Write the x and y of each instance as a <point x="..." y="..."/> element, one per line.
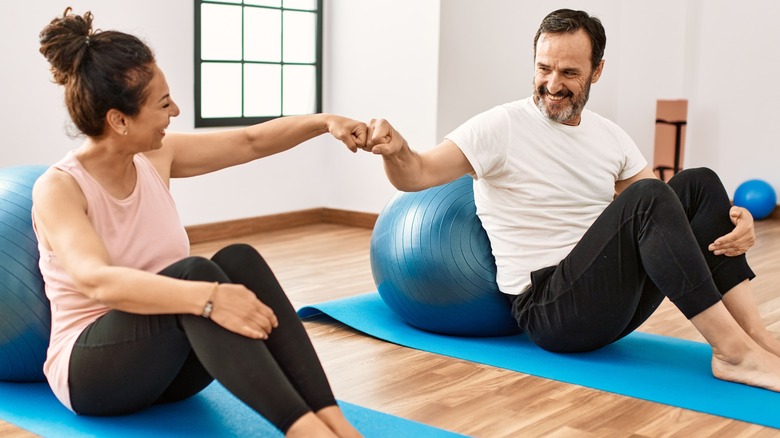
<point x="320" y="262"/>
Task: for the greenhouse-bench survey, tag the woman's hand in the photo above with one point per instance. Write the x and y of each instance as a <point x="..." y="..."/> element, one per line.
<point x="351" y="132"/>
<point x="237" y="309"/>
<point x="740" y="239"/>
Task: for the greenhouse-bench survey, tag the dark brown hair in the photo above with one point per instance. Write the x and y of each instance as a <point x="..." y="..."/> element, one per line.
<point x="570" y="21"/>
<point x="100" y="70"/>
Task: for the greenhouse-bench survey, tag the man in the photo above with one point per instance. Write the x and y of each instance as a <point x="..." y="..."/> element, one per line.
<point x="587" y="241"/>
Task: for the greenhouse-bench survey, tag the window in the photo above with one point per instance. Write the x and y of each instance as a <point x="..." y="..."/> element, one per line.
<point x="256" y="60"/>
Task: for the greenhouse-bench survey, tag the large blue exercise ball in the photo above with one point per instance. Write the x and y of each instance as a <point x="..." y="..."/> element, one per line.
<point x="433" y="266"/>
<point x="757" y="196"/>
<point x="25" y="317"/>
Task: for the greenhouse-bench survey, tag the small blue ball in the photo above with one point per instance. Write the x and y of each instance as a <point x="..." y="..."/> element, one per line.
<point x="757" y="196"/>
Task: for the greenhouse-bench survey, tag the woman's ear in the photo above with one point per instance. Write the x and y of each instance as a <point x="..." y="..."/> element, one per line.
<point x="116" y="121"/>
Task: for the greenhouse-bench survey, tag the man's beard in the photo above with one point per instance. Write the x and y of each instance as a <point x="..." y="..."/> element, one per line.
<point x="574" y="108"/>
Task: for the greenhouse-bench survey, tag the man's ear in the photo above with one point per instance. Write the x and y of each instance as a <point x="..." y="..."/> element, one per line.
<point x="116" y="121"/>
<point x="597" y="72"/>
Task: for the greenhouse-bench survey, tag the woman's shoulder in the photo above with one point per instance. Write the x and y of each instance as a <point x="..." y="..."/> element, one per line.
<point x="58" y="175"/>
<point x="55" y="183"/>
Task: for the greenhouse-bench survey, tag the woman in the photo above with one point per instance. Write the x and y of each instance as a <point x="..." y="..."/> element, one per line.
<point x="136" y="321"/>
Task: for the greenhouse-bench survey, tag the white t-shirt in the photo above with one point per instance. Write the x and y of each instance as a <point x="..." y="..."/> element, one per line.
<point x="539" y="184"/>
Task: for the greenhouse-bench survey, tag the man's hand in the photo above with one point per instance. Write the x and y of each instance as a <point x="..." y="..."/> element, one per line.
<point x="740" y="239"/>
<point x="383" y="139"/>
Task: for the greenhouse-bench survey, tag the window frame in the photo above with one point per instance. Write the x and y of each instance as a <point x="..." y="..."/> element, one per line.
<point x="210" y="122"/>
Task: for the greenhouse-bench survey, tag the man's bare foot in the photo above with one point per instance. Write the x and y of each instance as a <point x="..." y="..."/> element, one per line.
<point x="756" y="367"/>
<point x="769" y="342"/>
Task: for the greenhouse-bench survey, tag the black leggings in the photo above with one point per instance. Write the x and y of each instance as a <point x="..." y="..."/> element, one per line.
<point x="125" y="362"/>
<point x="649" y="243"/>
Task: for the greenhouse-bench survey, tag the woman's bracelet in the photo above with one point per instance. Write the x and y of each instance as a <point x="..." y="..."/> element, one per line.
<point x="209" y="307"/>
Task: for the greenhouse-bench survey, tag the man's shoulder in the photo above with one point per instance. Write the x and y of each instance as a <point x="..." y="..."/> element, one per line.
<point x="520" y="104"/>
<point x="603" y="126"/>
<point x="501" y="116"/>
<point x="595" y="118"/>
<point x="513" y="109"/>
<point x="598" y="116"/>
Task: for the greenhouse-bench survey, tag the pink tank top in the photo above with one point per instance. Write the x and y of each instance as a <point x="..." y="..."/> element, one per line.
<point x="142" y="231"/>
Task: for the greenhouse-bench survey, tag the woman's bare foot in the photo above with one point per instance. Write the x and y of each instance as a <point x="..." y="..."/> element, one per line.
<point x="310" y="425"/>
<point x="334" y="418"/>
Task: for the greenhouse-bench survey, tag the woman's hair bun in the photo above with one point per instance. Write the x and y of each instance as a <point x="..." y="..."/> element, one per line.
<point x="65" y="42"/>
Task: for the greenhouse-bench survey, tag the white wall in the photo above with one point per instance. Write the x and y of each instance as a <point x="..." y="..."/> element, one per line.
<point x="427" y="65"/>
<point x="381" y="62"/>
<point x="734" y="104"/>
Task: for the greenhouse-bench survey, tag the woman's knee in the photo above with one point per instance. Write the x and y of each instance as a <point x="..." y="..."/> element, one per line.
<point x="239" y="256"/>
<point x="237" y="250"/>
<point x="195" y="268"/>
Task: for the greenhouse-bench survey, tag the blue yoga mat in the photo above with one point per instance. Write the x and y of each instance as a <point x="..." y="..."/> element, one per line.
<point x="212" y="413"/>
<point x="665" y="370"/>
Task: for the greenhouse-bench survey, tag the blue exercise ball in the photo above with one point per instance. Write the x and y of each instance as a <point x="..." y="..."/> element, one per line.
<point x="433" y="266"/>
<point x="25" y="317"/>
<point x="757" y="196"/>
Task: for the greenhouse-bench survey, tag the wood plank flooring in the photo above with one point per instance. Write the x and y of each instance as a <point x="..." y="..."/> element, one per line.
<point x="325" y="261"/>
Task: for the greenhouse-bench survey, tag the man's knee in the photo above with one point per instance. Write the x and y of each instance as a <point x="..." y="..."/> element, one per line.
<point x="649" y="188"/>
<point x="697" y="175"/>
